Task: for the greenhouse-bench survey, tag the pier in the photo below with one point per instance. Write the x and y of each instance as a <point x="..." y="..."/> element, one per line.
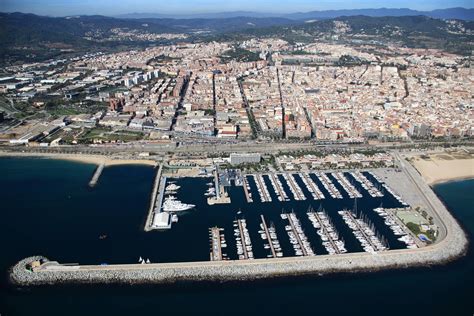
<point x="368" y="240"/>
<point x="221" y="195"/>
<point x="97" y="173"/>
<point x="246" y="187"/>
<point x="300" y="242"/>
<point x="278" y="187"/>
<point x="295" y="189"/>
<point x="270" y="242"/>
<point x="262" y="188"/>
<point x="366" y="184"/>
<point x="325" y="231"/>
<point x="158" y="185"/>
<point x="216" y="246"/>
<point x="351" y="191"/>
<point x="245" y="242"/>
<point x="312" y="187"/>
<point x="329" y="186"/>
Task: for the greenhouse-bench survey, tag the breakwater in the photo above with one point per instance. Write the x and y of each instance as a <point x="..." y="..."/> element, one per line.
<point x="97" y="173"/>
<point x="219" y="271"/>
<point x="156" y="196"/>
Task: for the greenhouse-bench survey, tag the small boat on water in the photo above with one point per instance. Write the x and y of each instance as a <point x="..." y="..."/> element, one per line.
<point x="172" y="187"/>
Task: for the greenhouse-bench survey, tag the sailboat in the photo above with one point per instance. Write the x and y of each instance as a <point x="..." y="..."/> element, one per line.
<point x="140" y="260"/>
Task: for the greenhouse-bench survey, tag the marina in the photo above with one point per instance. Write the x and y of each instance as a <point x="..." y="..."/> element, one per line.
<point x="398" y="228"/>
<point x="245" y="232"/>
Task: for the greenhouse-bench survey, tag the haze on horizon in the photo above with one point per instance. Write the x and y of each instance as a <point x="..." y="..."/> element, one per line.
<point x="117" y="7"/>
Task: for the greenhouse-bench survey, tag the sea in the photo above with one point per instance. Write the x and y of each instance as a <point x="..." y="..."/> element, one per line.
<point x="47" y="208"/>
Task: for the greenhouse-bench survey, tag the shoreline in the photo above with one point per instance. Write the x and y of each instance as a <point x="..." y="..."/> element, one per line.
<point x="443" y="167"/>
<point x="448" y="180"/>
<point x="87" y="159"/>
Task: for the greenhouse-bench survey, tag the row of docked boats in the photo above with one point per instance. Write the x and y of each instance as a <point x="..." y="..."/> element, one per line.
<point x="312" y="187"/>
<point x="242" y="239"/>
<point x="218" y="243"/>
<point x="395" y="195"/>
<point x="398" y="231"/>
<point x="247" y="188"/>
<point x="262" y="188"/>
<point x="366" y="184"/>
<point x="298" y="238"/>
<point x="327" y="232"/>
<point x="270" y="240"/>
<point x="278" y="188"/>
<point x="294" y="187"/>
<point x="346" y="185"/>
<point x="364" y="231"/>
<point x="328" y="185"/>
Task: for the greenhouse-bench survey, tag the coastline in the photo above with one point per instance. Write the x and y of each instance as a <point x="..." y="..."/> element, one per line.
<point x="88" y="159"/>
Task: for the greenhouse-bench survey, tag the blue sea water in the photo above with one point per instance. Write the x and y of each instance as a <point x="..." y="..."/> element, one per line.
<point x="48" y="209"/>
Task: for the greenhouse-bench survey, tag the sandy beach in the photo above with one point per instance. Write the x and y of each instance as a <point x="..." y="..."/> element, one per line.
<point x="445" y="167"/>
<point x="90" y="159"/>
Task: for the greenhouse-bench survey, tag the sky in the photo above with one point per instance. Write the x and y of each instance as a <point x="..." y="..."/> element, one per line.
<point x="116" y="7"/>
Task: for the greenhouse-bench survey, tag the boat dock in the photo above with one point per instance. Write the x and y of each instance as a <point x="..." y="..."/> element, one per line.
<point x="221" y="195"/>
<point x="262" y="188"/>
<point x="298" y="239"/>
<point x="312" y="187"/>
<point x="97" y="173"/>
<point x="278" y="188"/>
<point x="244" y="245"/>
<point x="366" y="184"/>
<point x="295" y="189"/>
<point x="158" y="185"/>
<point x="363" y="232"/>
<point x="327" y="232"/>
<point x="216" y="246"/>
<point x="329" y="186"/>
<point x="399" y="228"/>
<point x="246" y="187"/>
<point x="265" y="228"/>
<point x="346" y="185"/>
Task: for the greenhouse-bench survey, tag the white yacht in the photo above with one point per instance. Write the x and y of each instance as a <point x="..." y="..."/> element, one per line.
<point x="171" y="204"/>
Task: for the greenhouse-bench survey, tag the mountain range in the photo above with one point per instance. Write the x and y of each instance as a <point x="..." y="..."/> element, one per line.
<point x="449" y="13"/>
<point x="29" y="37"/>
